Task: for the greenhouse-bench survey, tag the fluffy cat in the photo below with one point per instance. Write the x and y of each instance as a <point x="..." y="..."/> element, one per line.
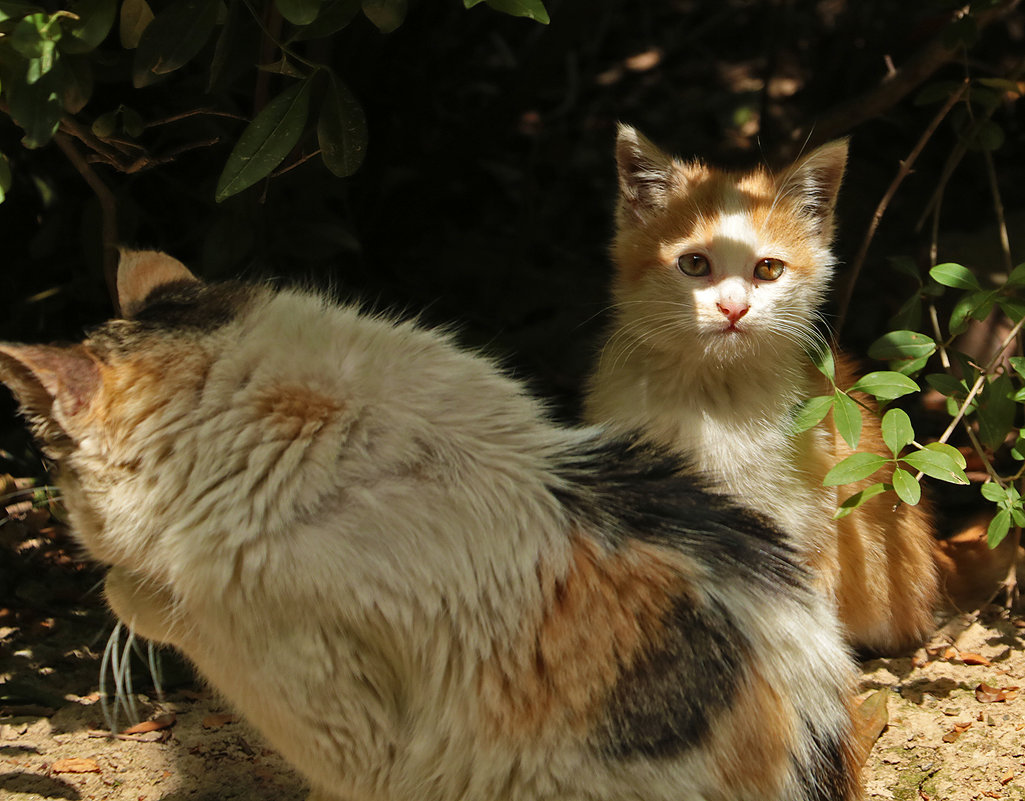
<point x="410" y="581"/>
<point x="718" y="281"/>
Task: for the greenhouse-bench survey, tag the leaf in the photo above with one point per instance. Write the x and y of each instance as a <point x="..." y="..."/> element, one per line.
<point x="935" y="92"/>
<point x="172" y="39"/>
<point x="1017" y="276"/>
<point x="136" y="15"/>
<point x="909" y="315"/>
<point x="885" y="385"/>
<point x="12" y="9"/>
<point x="995" y="411"/>
<point x="856" y="467"/>
<point x="821" y="356"/>
<point x="218" y="720"/>
<point x="986" y="135"/>
<point x="907" y="351"/>
<point x="954" y="275"/>
<point x="859" y="498"/>
<point x="334" y="15"/>
<point x="948" y="385"/>
<point x="531" y="9"/>
<point x="1014" y="308"/>
<point x="998" y="528"/>
<point x="341" y="130"/>
<point x="74" y="765"/>
<point x="897" y="430"/>
<point x="953" y="453"/>
<point x="164" y="721"/>
<point x="223" y="46"/>
<point x="37" y="108"/>
<point x="75" y="76"/>
<point x="299" y="12"/>
<point x="387" y="15"/>
<point x="5" y="176"/>
<point x="907" y="487"/>
<point x="847" y="418"/>
<point x="95" y="19"/>
<point x="936" y="464"/>
<point x="266" y="140"/>
<point x="992" y="491"/>
<point x="985" y="694"/>
<point x="810" y="413"/>
<point x="976" y="305"/>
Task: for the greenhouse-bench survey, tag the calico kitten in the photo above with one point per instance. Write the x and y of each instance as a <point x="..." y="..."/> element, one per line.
<point x="718" y="282"/>
<point x="410" y="581"/>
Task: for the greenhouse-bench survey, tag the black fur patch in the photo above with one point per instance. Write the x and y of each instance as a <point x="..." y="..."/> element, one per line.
<point x="193" y="305"/>
<point x="630" y="489"/>
<point x="654" y="710"/>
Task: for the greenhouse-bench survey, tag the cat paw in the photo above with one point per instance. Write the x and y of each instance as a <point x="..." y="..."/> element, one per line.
<point x="145" y="609"/>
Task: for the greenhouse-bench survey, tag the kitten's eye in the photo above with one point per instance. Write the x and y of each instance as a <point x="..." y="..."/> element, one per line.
<point x="693" y="264"/>
<point x="769" y="269"/>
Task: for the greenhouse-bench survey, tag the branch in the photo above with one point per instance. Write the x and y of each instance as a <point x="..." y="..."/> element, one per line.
<point x="895" y="86"/>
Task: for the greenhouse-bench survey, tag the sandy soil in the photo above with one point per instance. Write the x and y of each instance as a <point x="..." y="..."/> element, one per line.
<point x="956" y="727"/>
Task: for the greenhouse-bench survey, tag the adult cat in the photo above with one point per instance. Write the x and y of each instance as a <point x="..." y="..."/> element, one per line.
<point x="410" y="581"/>
<point x="718" y="282"/>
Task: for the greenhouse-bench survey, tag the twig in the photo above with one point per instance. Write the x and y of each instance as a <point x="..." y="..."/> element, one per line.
<point x="902" y="173"/>
<point x="108" y="213"/>
<point x="998" y="209"/>
<point x="895" y="85"/>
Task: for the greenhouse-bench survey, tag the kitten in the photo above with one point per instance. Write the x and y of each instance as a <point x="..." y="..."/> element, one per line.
<point x="718" y="282"/>
<point x="410" y="581"/>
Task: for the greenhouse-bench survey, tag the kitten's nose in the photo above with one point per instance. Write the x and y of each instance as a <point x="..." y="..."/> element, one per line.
<point x="732" y="310"/>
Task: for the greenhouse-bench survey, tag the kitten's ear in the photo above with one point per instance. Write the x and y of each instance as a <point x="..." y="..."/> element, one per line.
<point x="139" y="272"/>
<point x="51" y="384"/>
<point x="647" y="175"/>
<point x="815" y="181"/>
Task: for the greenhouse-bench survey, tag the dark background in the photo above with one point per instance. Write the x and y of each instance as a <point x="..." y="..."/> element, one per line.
<point x="486" y="198"/>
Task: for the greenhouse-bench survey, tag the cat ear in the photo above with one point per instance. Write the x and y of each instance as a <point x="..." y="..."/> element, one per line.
<point x="51" y="384"/>
<point x="139" y="272"/>
<point x="815" y="181"/>
<point x="647" y="175"/>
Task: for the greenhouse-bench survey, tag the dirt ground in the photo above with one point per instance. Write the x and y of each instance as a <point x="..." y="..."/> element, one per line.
<point x="956" y="727"/>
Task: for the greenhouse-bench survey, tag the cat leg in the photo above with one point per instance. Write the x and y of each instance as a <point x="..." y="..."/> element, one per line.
<point x="146" y="609"/>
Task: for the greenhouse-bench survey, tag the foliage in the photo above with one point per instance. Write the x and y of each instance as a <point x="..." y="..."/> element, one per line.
<point x="50" y="62"/>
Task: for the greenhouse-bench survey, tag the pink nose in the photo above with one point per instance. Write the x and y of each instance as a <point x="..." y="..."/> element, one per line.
<point x="732" y="310"/>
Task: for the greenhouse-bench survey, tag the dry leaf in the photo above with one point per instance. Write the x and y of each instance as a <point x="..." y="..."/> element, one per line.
<point x="74" y="765"/>
<point x="216" y="721"/>
<point x="985" y="694"/>
<point x="974" y="659"/>
<point x="1007" y="776"/>
<point x="950" y="736"/>
<point x="160" y="722"/>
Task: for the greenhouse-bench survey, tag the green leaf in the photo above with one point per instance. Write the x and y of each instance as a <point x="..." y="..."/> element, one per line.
<point x="906" y="351"/>
<point x="998" y="528"/>
<point x="334" y="15"/>
<point x="992" y="491"/>
<point x="935" y="92"/>
<point x="976" y="305"/>
<point x="299" y="12"/>
<point x="75" y="77"/>
<point x="1014" y="308"/>
<point x="821" y="356"/>
<point x="907" y="487"/>
<point x="341" y="130"/>
<point x="909" y="315"/>
<point x="946" y="384"/>
<point x="954" y="275"/>
<point x="897" y="430"/>
<point x="223" y="46"/>
<point x="810" y="413"/>
<point x="96" y="18"/>
<point x="387" y="15"/>
<point x="906" y="265"/>
<point x="847" y="418"/>
<point x="36" y="108"/>
<point x="173" y="38"/>
<point x="859" y="498"/>
<point x="995" y="411"/>
<point x="531" y="9"/>
<point x="855" y="467"/>
<point x="5" y="177"/>
<point x="1017" y="276"/>
<point x="936" y="465"/>
<point x="136" y="15"/>
<point x="986" y="135"/>
<point x="885" y="385"/>
<point x="1003" y="84"/>
<point x="11" y="9"/>
<point x="952" y="452"/>
<point x="266" y="140"/>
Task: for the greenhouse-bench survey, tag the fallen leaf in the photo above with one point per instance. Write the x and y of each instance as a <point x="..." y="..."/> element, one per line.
<point x="1007" y="776"/>
<point x="985" y="694"/>
<point x="218" y="720"/>
<point x="870" y="719"/>
<point x="957" y="731"/>
<point x="74" y="765"/>
<point x="974" y="659"/>
<point x="165" y="721"/>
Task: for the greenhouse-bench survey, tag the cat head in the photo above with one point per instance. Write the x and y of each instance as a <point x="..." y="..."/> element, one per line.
<point x="725" y="261"/>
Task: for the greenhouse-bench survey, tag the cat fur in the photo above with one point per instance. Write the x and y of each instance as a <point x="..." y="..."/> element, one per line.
<point x="415" y="585"/>
<point x="714" y="366"/>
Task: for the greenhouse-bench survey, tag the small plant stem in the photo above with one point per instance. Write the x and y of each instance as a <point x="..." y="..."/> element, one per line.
<point x="902" y="173"/>
<point x="940" y="344"/>
<point x="998" y="208"/>
<point x="986" y="462"/>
